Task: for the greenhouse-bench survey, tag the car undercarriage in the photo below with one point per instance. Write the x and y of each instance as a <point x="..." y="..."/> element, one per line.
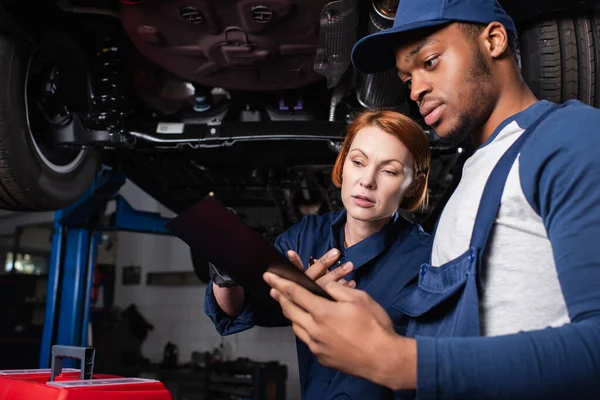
<point x="245" y="100"/>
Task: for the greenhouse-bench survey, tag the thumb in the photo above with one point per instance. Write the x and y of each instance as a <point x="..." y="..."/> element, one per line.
<point x="295" y="259"/>
<point x="341" y="292"/>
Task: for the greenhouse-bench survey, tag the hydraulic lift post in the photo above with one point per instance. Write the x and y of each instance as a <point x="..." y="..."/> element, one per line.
<point x="77" y="232"/>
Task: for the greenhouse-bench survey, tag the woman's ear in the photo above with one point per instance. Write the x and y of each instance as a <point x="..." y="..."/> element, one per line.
<point x="416" y="185"/>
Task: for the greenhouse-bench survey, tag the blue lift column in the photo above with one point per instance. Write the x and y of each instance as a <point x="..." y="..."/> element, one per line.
<point x="76" y="236"/>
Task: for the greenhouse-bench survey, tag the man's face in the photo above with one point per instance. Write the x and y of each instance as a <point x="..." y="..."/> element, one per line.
<point x="450" y="79"/>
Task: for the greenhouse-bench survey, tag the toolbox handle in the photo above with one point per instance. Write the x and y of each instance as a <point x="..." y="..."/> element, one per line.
<point x="85" y="354"/>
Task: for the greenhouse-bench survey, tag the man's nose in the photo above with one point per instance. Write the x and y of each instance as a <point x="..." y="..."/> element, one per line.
<point x="419" y="88"/>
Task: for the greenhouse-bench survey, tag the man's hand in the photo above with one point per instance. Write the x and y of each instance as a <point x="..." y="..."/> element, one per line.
<point x="352" y="334"/>
<point x="319" y="271"/>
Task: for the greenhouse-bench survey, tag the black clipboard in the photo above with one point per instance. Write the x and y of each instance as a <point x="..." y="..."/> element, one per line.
<point x="215" y="233"/>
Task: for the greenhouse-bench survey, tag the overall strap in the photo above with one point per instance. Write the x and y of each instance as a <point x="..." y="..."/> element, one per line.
<point x="492" y="193"/>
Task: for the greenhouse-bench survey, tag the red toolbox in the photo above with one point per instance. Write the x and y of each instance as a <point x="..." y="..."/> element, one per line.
<point x="73" y="384"/>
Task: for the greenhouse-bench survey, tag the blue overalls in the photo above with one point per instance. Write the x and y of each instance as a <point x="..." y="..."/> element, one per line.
<point x="384" y="264"/>
<point x="445" y="301"/>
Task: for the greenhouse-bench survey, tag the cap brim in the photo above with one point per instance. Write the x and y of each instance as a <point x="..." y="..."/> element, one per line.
<point x="375" y="53"/>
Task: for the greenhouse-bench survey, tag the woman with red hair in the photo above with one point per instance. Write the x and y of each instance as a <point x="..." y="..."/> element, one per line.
<point x="382" y="167"/>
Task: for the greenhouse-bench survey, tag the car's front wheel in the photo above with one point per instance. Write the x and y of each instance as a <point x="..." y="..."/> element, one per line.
<point x="34" y="176"/>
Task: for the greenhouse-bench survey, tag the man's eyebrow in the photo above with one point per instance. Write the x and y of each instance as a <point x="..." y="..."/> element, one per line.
<point x="425" y="42"/>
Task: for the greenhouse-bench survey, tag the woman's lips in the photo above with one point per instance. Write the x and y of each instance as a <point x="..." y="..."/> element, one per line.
<point x="363" y="202"/>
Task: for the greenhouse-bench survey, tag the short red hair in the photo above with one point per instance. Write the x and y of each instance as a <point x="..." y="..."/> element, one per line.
<point x="408" y="132"/>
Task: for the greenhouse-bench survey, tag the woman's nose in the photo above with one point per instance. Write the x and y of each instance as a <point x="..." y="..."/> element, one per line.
<point x="368" y="179"/>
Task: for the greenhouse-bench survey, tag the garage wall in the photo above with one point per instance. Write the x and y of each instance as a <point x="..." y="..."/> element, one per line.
<point x="177" y="313"/>
<point x="9" y="221"/>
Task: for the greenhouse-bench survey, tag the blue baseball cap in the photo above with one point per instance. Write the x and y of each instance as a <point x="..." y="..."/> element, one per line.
<point x="375" y="53"/>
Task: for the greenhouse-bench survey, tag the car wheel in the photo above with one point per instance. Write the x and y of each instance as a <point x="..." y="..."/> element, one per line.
<point x="560" y="58"/>
<point x="33" y="175"/>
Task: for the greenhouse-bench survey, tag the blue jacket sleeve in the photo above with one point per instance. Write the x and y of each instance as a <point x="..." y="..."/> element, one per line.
<point x="252" y="315"/>
<point x="560" y="176"/>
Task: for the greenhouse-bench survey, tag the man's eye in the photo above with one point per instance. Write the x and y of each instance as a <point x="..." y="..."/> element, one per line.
<point x="430" y="63"/>
<point x="408" y="84"/>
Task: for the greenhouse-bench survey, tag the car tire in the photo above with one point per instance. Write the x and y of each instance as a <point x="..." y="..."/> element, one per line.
<point x="31" y="180"/>
<point x="560" y="58"/>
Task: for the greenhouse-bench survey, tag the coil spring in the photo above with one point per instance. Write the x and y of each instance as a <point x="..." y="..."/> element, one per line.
<point x="109" y="102"/>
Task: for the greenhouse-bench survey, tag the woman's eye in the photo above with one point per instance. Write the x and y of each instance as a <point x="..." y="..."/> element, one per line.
<point x="357" y="163"/>
<point x="393" y="173"/>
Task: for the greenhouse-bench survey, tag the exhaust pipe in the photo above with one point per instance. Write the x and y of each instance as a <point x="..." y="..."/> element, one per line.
<point x="383" y="89"/>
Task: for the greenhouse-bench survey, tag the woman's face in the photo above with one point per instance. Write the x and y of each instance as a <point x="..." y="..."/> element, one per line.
<point x="377" y="172"/>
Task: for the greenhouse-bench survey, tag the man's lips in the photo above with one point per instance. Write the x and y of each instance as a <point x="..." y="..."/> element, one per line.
<point x="432" y="112"/>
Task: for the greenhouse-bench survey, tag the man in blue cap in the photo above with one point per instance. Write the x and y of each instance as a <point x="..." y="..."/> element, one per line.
<point x="509" y="306"/>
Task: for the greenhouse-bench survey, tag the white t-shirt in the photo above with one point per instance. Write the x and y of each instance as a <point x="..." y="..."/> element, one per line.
<point x="521" y="291"/>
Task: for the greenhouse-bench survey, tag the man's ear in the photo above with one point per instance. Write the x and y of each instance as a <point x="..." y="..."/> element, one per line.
<point x="495" y="39"/>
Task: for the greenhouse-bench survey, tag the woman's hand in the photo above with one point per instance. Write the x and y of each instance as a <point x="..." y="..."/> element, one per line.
<point x="231" y="300"/>
<point x="319" y="272"/>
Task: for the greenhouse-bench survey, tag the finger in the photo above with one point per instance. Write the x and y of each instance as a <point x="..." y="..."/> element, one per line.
<point x="335" y="275"/>
<point x="316" y="271"/>
<point x="344" y="282"/>
<point x="303" y="335"/>
<point x="295" y="259"/>
<point x="311" y="340"/>
<point x="342" y="292"/>
<point x="323" y="264"/>
<point x="294" y="292"/>
<point x="291" y="311"/>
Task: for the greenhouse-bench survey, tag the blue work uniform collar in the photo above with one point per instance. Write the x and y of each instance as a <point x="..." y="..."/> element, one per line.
<point x="366" y="250"/>
<point x="523" y="118"/>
